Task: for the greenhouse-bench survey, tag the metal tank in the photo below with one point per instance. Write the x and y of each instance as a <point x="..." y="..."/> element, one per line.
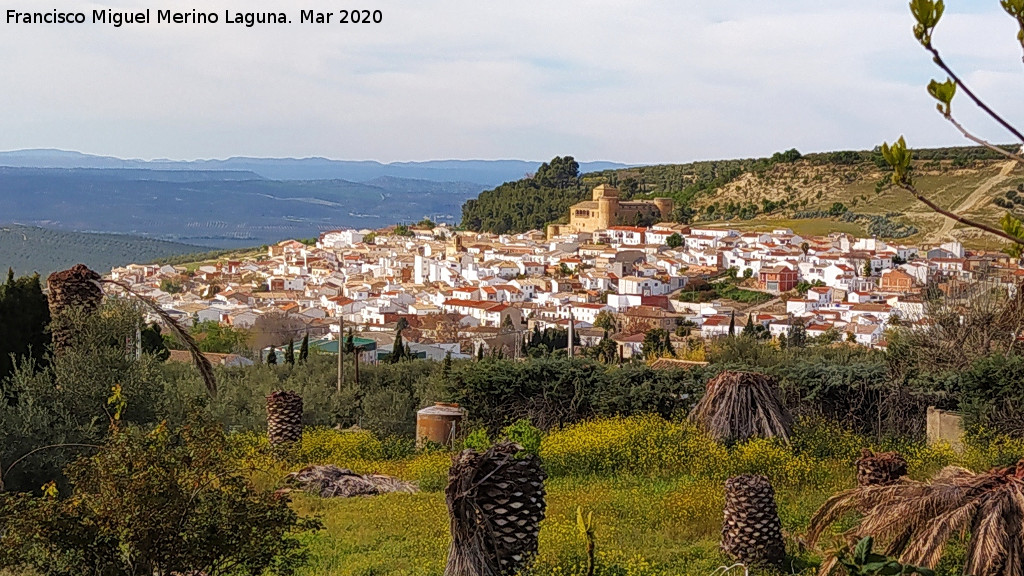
<point x="440" y="423"/>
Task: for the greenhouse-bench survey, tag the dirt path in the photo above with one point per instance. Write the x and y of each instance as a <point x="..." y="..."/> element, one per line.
<point x="974" y="200"/>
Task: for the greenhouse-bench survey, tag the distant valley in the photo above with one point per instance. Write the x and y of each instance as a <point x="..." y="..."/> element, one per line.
<point x="238" y="201"/>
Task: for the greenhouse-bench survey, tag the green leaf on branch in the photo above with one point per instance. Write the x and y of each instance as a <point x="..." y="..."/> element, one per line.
<point x="899" y="158"/>
<point x="927" y="13"/>
<point x="943" y="92"/>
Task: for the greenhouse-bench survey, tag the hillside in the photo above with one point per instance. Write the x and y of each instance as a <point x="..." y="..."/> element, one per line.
<point x="812" y="194"/>
<point x="29" y="249"/>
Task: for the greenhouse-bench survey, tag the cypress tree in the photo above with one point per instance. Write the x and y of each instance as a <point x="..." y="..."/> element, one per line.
<point x="446" y="367"/>
<point x="272" y="356"/>
<point x="480" y="352"/>
<point x="748" y="330"/>
<point x="289" y="353"/>
<point x="304" y="348"/>
<point x="398" y="350"/>
<point x="668" y="344"/>
<point x="26" y="316"/>
<point x="732" y="324"/>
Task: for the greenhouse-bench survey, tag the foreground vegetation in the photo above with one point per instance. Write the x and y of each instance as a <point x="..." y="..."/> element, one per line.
<point x="615" y="442"/>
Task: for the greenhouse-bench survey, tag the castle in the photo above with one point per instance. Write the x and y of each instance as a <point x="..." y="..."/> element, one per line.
<point x="606" y="210"/>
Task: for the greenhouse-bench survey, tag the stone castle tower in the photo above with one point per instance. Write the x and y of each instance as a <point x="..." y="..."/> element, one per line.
<point x="606" y="209"/>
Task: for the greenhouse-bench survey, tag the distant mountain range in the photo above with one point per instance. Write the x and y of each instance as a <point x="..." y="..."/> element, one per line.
<point x="239" y="201"/>
<point x="484" y="173"/>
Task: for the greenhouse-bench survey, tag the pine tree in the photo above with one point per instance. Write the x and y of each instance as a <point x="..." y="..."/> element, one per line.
<point x="304" y="349"/>
<point x="732" y="324"/>
<point x="272" y="356"/>
<point x="289" y="353"/>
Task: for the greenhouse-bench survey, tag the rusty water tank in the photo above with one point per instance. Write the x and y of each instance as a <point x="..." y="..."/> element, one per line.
<point x="440" y="423"/>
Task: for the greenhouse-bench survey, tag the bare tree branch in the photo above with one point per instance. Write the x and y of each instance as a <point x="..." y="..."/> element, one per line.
<point x="961" y="219"/>
<point x="977" y="101"/>
<point x="982" y="142"/>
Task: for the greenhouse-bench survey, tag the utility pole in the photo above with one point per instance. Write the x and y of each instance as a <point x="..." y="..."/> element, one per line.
<point x="341" y="350"/>
<point x="571" y="321"/>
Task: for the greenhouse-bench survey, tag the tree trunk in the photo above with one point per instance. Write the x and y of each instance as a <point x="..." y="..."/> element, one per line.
<point x="75" y="288"/>
<point x="284" y="418"/>
<point x="752" y="531"/>
<point x="880" y="469"/>
<point x="495" y="504"/>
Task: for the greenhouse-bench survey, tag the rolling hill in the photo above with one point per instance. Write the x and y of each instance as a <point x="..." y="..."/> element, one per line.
<point x="29" y="249"/>
<point x="844" y="191"/>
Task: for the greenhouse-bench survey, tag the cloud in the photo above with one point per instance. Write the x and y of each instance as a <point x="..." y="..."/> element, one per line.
<point x="636" y="81"/>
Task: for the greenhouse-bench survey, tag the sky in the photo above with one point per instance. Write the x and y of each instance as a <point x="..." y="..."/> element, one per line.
<point x="636" y="81"/>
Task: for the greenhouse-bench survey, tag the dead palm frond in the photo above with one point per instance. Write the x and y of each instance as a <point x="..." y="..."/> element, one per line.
<point x="917" y="519"/>
<point x="200" y="360"/>
<point x="740" y="405"/>
<point x="81" y="288"/>
<point x="333" y="482"/>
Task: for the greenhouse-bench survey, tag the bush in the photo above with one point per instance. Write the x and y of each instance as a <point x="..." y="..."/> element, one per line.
<point x="159" y="501"/>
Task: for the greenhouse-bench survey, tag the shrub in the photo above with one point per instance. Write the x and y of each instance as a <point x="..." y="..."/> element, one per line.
<point x="160" y="501"/>
<point x="430" y="471"/>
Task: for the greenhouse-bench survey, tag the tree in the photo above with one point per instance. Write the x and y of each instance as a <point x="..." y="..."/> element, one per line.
<point x="669" y="349"/>
<point x="446" y="367"/>
<point x="866" y="270"/>
<point x="805" y="248"/>
<point x="732" y="324"/>
<point x="26" y="315"/>
<point x="927" y="14"/>
<point x="748" y="330"/>
<point x="153" y="342"/>
<point x="304" y="349"/>
<point x="654" y="343"/>
<point x="398" y="349"/>
<point x="402" y="324"/>
<point x="289" y="353"/>
<point x="675" y="240"/>
<point x="272" y="356"/>
<point x="797" y="336"/>
<point x="605" y="320"/>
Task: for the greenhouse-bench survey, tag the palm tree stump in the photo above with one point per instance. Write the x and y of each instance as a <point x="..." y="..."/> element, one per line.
<point x="738" y="406"/>
<point x="751" y="529"/>
<point x="284" y="418"/>
<point x="880" y="468"/>
<point x="495" y="504"/>
<point x="75" y="288"/>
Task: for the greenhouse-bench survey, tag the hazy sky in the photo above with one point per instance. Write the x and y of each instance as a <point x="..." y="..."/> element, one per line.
<point x="630" y="81"/>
